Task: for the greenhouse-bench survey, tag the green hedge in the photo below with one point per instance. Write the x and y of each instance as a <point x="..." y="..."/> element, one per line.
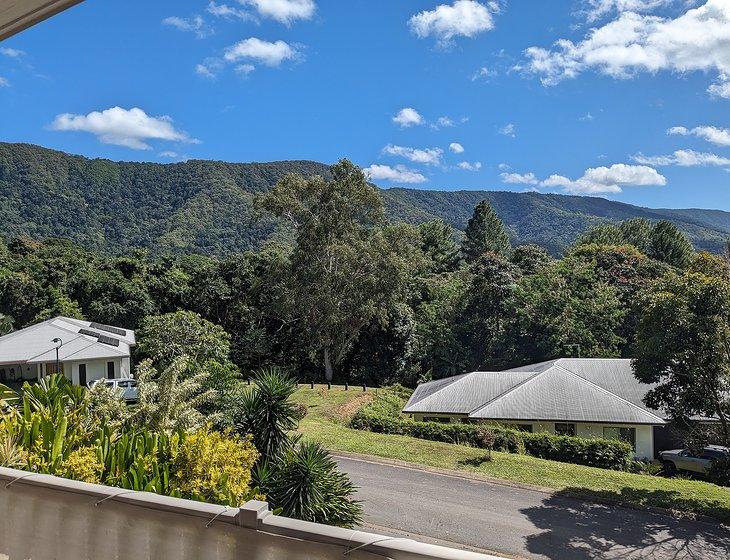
<point x="593" y="452"/>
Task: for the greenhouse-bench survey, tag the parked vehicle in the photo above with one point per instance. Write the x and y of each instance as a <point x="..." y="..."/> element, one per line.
<point x="127" y="387"/>
<point x="686" y="460"/>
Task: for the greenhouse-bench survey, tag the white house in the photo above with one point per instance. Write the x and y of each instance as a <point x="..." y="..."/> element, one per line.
<point x="86" y="351"/>
<point x="571" y="396"/>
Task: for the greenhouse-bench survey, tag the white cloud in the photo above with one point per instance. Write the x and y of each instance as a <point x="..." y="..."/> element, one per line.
<point x="721" y="88"/>
<point x="445" y="122"/>
<point x="397" y="174"/>
<point x="429" y="156"/>
<point x="504" y="167"/>
<point x="684" y="158"/>
<point x="465" y="18"/>
<point x="603" y="179"/>
<point x="596" y="9"/>
<point x="483" y="73"/>
<point x="245" y="69"/>
<point x="408" y="117"/>
<point x="718" y="136"/>
<point x="4" y="82"/>
<point x="519" y="178"/>
<point x="508" y="130"/>
<point x="270" y="54"/>
<point x="697" y="40"/>
<point x="169" y="154"/>
<point x="284" y="11"/>
<point x="131" y="128"/>
<point x="467" y="166"/>
<point x="586" y="117"/>
<point x="456" y="148"/>
<point x="228" y="12"/>
<point x="195" y="24"/>
<point x="12" y="53"/>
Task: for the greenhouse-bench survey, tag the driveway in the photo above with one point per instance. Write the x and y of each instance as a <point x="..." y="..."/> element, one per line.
<point x="521" y="522"/>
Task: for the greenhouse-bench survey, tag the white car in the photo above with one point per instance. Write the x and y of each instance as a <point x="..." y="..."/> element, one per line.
<point x="126" y="386"/>
<point x="685" y="460"/>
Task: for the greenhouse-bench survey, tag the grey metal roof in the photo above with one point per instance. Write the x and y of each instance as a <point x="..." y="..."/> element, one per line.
<point x="574" y="390"/>
<point x="466" y="393"/>
<point x="35" y="343"/>
<point x="558" y="394"/>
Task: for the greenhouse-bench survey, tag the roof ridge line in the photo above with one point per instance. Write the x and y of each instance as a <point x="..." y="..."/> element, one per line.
<point x="462" y="375"/>
<point x="603" y="389"/>
<point x="534" y="375"/>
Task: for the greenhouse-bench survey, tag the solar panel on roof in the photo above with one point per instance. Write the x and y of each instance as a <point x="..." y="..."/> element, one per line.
<point x="104" y="339"/>
<point x="108" y="328"/>
<point x="108" y="340"/>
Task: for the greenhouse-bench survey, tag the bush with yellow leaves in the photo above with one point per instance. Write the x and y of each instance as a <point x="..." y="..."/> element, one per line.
<point x="215" y="467"/>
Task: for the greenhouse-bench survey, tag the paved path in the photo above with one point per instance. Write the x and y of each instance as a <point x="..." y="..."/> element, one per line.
<point x="524" y="523"/>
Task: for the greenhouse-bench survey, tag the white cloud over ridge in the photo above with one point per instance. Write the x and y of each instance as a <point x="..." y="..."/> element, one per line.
<point x="519" y="178"/>
<point x="463" y="18"/>
<point x="428" y="156"/>
<point x="397" y="174"/>
<point x="697" y="40"/>
<point x="131" y="128"/>
<point x="408" y="116"/>
<point x="468" y="166"/>
<point x="684" y="158"/>
<point x="508" y="130"/>
<point x="718" y="136"/>
<point x="228" y="12"/>
<point x="595" y="180"/>
<point x="456" y="148"/>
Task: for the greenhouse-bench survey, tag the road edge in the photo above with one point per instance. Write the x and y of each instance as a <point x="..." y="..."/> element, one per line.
<point x="512" y="484"/>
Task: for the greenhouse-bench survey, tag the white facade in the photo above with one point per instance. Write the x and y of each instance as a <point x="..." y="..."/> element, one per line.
<point x="644" y="434"/>
<point x="85" y="351"/>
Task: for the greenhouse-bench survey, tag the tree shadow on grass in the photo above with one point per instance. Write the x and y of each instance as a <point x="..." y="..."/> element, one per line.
<point x="577" y="530"/>
<point x="475" y="461"/>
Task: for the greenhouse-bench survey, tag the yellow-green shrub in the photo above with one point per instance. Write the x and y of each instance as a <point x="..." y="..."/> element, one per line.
<point x="215" y="467"/>
<point x="82" y="464"/>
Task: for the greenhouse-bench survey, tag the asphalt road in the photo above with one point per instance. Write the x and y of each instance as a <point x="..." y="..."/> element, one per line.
<point x="523" y="523"/>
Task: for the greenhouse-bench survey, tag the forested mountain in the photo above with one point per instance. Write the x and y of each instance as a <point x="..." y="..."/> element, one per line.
<point x="207" y="206"/>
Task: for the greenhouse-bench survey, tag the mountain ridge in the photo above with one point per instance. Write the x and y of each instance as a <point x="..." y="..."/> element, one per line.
<point x="206" y="206"/>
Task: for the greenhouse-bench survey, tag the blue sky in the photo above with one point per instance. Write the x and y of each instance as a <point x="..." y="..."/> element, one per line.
<point x="632" y="104"/>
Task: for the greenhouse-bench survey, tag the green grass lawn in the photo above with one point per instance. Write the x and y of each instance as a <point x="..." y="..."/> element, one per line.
<point x="329" y="410"/>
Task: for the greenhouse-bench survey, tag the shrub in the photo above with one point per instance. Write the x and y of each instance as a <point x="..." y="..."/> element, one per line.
<point x="214" y="467"/>
<point x="719" y="472"/>
<point x="82" y="464"/>
<point x="603" y="453"/>
<point x="305" y="484"/>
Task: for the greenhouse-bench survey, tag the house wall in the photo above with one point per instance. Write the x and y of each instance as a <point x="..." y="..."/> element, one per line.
<point x="45" y="517"/>
<point x="644" y="434"/>
<point x="95" y="369"/>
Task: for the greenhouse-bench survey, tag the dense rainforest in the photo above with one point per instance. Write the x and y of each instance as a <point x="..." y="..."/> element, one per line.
<point x="354" y="296"/>
<point x="206" y="207"/>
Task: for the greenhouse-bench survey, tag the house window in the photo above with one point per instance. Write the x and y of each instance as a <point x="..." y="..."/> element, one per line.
<point x="440" y="419"/>
<point x="110" y="370"/>
<point x="82" y="375"/>
<point x="564" y="429"/>
<point x="624" y="434"/>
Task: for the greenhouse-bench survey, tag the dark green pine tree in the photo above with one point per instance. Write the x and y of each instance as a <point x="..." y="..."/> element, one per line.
<point x="485" y="232"/>
<point x="669" y="245"/>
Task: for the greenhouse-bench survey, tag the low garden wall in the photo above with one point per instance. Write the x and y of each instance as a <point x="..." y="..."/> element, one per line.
<point x="46" y="517"/>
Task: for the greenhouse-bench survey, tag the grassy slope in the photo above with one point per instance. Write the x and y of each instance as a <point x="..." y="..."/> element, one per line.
<point x="325" y="422"/>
